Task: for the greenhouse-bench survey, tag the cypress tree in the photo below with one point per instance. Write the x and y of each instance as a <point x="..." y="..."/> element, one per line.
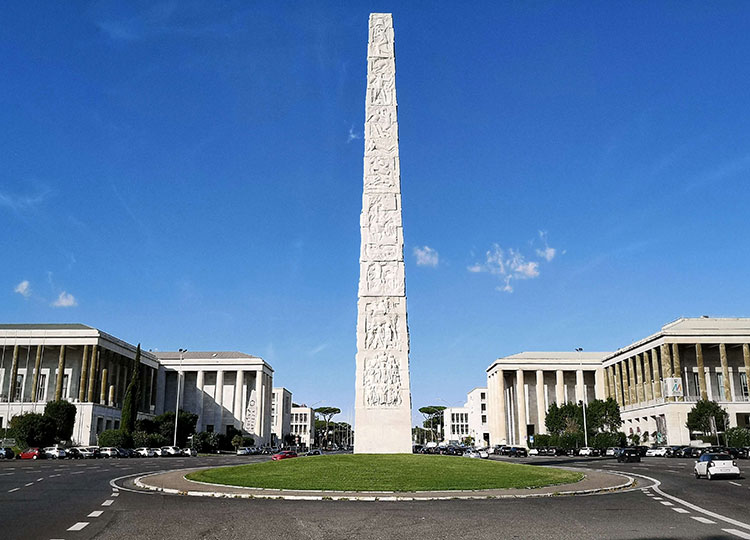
<point x="132" y="394"/>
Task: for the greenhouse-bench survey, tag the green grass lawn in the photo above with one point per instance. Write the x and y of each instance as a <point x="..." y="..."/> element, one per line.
<point x="390" y="472"/>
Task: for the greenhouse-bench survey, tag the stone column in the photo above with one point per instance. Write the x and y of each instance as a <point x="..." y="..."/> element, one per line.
<point x="84" y="374"/>
<point x="677" y="366"/>
<point x="220" y="399"/>
<point x="666" y="364"/>
<point x="116" y="377"/>
<point x="37" y="368"/>
<point x="639" y="389"/>
<point x="559" y="388"/>
<point x="60" y="373"/>
<point x="648" y="386"/>
<point x="541" y="411"/>
<point x="238" y="405"/>
<point x="701" y="370"/>
<point x="623" y="365"/>
<point x="199" y="384"/>
<point x="746" y="360"/>
<point x="599" y="384"/>
<point x="103" y="393"/>
<point x="13" y="377"/>
<point x="618" y="383"/>
<point x="92" y="372"/>
<point x="497" y="408"/>
<point x="521" y="406"/>
<point x="258" y="387"/>
<point x="631" y="383"/>
<point x="611" y="379"/>
<point x="657" y="378"/>
<point x="151" y="389"/>
<point x="111" y="400"/>
<point x="580" y="385"/>
<point x="725" y="371"/>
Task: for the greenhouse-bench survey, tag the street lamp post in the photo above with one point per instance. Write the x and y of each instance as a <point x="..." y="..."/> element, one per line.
<point x="177" y="404"/>
<point x="579" y="350"/>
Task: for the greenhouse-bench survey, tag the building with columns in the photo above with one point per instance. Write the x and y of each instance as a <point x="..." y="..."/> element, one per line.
<point x="224" y="388"/>
<point x="281" y="415"/>
<point x="303" y="425"/>
<point x="521" y="387"/>
<point x="92" y="369"/>
<point x="708" y="357"/>
<point x="77" y="363"/>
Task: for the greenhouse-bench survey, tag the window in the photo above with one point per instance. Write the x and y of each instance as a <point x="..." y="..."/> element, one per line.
<point x="65" y="386"/>
<point x="484" y="407"/>
<point x="696" y="384"/>
<point x="99" y="424"/>
<point x="484" y="418"/>
<point x="210" y="428"/>
<point x="18" y="389"/>
<point x="720" y="384"/>
<point x="482" y="395"/>
<point x="743" y="384"/>
<point x="117" y="424"/>
<point x="42" y="385"/>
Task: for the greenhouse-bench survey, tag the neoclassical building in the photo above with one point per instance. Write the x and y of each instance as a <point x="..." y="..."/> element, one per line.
<point x="92" y="369"/>
<point x="521" y="388"/>
<point x="694" y="358"/>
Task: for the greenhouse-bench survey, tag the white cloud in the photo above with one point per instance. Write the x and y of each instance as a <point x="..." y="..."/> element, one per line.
<point x="547" y="253"/>
<point x="23" y="288"/>
<point x="509" y="265"/>
<point x="352" y="135"/>
<point x="426" y="256"/>
<point x="65" y="300"/>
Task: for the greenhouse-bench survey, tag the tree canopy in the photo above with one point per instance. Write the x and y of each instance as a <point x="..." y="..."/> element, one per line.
<point x="132" y="395"/>
<point x="699" y="417"/>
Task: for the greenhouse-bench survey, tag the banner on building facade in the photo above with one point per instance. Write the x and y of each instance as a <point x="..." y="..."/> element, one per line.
<point x="673" y="387"/>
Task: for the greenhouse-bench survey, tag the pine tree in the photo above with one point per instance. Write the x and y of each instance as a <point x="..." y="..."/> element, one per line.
<point x="132" y="394"/>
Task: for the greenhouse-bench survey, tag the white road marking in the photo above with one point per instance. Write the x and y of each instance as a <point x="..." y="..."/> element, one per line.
<point x="115" y="490"/>
<point x="78" y="526"/>
<point x="39" y="479"/>
<point x="703" y="520"/>
<point x="108" y="502"/>
<point x="735" y="484"/>
<point x="12" y="490"/>
<point x="737" y="533"/>
<point x="115" y="495"/>
<point x="96" y="513"/>
<point x="7" y="474"/>
<point x="54" y="475"/>
<point x="29" y="484"/>
<point x="78" y="472"/>
<point x="680" y="510"/>
<point x="667" y="503"/>
<point x="658" y="499"/>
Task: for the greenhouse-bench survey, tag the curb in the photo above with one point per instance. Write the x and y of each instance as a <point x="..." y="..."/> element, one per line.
<point x="317" y="495"/>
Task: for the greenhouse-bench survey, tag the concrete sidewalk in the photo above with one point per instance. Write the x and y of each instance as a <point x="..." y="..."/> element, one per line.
<point x="174" y="482"/>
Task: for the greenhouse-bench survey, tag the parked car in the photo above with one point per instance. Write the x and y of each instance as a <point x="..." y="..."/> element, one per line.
<point x="126" y="453"/>
<point x="610" y="451"/>
<point x="145" y="452"/>
<point x="32" y="453"/>
<point x="157" y="452"/>
<point x="171" y="451"/>
<point x="84" y="452"/>
<point x="533" y="451"/>
<point x="243" y="451"/>
<point x="108" y="452"/>
<point x="659" y="451"/>
<point x="315" y="452"/>
<point x="628" y="455"/>
<point x="95" y="452"/>
<point x="7" y="453"/>
<point x="54" y="452"/>
<point x="285" y="454"/>
<point x="483" y="454"/>
<point x="589" y="451"/>
<point x="518" y="451"/>
<point x="471" y="454"/>
<point x="713" y="465"/>
<point x="189" y="452"/>
<point x="642" y="450"/>
<point x="743" y="453"/>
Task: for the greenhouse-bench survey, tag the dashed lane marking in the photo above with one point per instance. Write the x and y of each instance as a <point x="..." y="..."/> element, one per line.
<point x="12" y="490"/>
<point x="39" y="479"/>
<point x="737" y="533"/>
<point x="658" y="499"/>
<point x="680" y="510"/>
<point x="667" y="503"/>
<point x="735" y="484"/>
<point x="115" y="495"/>
<point x="54" y="475"/>
<point x="29" y="484"/>
<point x="78" y="472"/>
<point x="703" y="520"/>
<point x="108" y="502"/>
<point x="78" y="526"/>
<point x="96" y="513"/>
<point x="7" y="474"/>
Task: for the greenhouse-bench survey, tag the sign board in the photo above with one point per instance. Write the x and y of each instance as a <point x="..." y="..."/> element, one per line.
<point x="673" y="387"/>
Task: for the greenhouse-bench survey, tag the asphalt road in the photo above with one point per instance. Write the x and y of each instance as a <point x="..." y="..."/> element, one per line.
<point x="44" y="499"/>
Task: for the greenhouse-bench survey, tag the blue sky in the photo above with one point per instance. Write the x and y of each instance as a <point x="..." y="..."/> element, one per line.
<point x="189" y="174"/>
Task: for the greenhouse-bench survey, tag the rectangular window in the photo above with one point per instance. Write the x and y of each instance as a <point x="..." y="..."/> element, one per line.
<point x="99" y="424"/>
<point x="117" y="424"/>
<point x="18" y="390"/>
<point x="41" y="387"/>
<point x="743" y="385"/>
<point x="484" y="407"/>
<point x="481" y="395"/>
<point x="65" y="386"/>
<point x="696" y="385"/>
<point x="720" y="384"/>
<point x="210" y="428"/>
<point x="484" y="419"/>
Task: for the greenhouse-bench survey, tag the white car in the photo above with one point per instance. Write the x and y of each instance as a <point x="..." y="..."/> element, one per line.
<point x="86" y="452"/>
<point x="145" y="452"/>
<point x="610" y="451"/>
<point x="244" y="451"/>
<point x="483" y="454"/>
<point x="586" y="451"/>
<point x="171" y="451"/>
<point x="109" y="451"/>
<point x="189" y="452"/>
<point x="714" y="465"/>
<point x="157" y="452"/>
<point x="661" y="451"/>
<point x="534" y="452"/>
<point x="54" y="452"/>
<point x="471" y="454"/>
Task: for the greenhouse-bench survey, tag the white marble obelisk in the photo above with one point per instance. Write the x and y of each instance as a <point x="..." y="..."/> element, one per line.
<point x="383" y="399"/>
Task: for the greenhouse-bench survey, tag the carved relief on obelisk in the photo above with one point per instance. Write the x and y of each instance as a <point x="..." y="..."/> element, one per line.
<point x="383" y="398"/>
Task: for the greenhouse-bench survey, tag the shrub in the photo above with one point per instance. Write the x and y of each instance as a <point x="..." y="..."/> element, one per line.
<point x="205" y="442"/>
<point x="248" y="441"/>
<point x="738" y="437"/>
<point x="606" y="440"/>
<point x="115" y="437"/>
<point x="541" y="440"/>
<point x="140" y="439"/>
<point x="32" y="429"/>
<point x="164" y="424"/>
<point x="63" y="416"/>
<point x="155" y="440"/>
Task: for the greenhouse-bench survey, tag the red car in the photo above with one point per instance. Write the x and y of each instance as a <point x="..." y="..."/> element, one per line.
<point x="32" y="453"/>
<point x="286" y="454"/>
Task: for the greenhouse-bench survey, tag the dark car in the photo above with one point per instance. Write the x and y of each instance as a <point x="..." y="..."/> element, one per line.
<point x="74" y="453"/>
<point x="642" y="450"/>
<point x="674" y="451"/>
<point x="518" y="451"/>
<point x="629" y="455"/>
<point x="743" y="453"/>
<point x="7" y="453"/>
